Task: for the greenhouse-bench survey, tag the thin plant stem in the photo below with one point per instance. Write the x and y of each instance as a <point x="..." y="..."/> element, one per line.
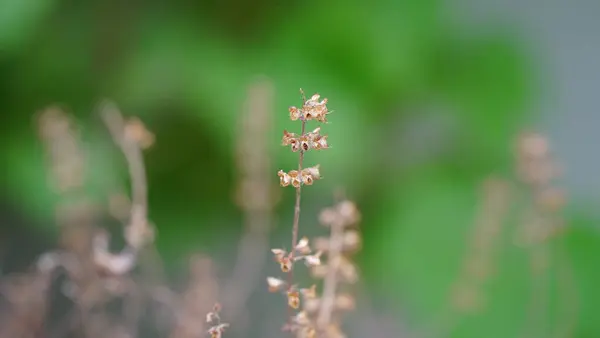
<point x="298" y="195"/>
<point x="336" y="243"/>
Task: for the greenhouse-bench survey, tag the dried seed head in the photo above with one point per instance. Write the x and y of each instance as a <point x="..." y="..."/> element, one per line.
<point x="343" y="214"/>
<point x="296" y="180"/>
<point x="328" y="216"/>
<point x="275" y="284"/>
<point x="301" y="318"/>
<point x="295" y="145"/>
<point x="307" y="179"/>
<point x="348" y="271"/>
<point x="321" y="244"/>
<point x="293" y="299"/>
<point x="313" y="109"/>
<point x="294" y="113"/>
<point x="305" y="142"/>
<point x="313" y="171"/>
<point x="319" y="271"/>
<point x="320" y="142"/>
<point x="212" y="317"/>
<point x="309" y="293"/>
<point x="284" y="178"/>
<point x="303" y="246"/>
<point x="313" y="260"/>
<point x="286" y="264"/>
<point x="345" y="302"/>
<point x="288" y="138"/>
<point x="279" y="253"/>
<point x="334" y="331"/>
<point x="217" y="331"/>
<point x="352" y="241"/>
<point x="311" y="305"/>
<point x="310" y="332"/>
<point x="136" y="131"/>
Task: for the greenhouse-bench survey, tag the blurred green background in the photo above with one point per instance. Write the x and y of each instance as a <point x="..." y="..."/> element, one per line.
<point x="425" y="110"/>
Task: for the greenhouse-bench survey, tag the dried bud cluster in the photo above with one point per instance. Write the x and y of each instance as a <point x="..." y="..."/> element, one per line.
<point x="311" y="140"/>
<point x="468" y="292"/>
<point x="302" y="252"/>
<point x="319" y="315"/>
<point x="312" y="109"/>
<point x="213" y="318"/>
<point x="537" y="168"/>
<point x="296" y="178"/>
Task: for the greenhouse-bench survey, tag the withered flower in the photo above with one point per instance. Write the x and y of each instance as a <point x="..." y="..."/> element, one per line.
<point x="303" y="246"/>
<point x="284" y="178"/>
<point x="275" y="284"/>
<point x="295" y="178"/>
<point x="293" y="299"/>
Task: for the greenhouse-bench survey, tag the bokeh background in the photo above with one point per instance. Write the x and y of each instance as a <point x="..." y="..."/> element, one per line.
<point x="429" y="99"/>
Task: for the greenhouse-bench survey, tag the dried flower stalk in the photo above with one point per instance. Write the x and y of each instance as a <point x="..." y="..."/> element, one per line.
<point x="254" y="196"/>
<point x="311" y="109"/>
<point x="478" y="264"/>
<point x="318" y="315"/>
<point x="537" y="170"/>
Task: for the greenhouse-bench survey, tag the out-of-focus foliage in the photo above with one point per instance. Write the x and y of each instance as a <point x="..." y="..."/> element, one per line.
<point x="423" y="112"/>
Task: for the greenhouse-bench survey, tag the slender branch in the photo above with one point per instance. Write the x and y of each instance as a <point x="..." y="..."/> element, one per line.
<point x="299" y="189"/>
<point x="254" y="197"/>
<point x="336" y="242"/>
<point x="133" y="155"/>
<point x="298" y="195"/>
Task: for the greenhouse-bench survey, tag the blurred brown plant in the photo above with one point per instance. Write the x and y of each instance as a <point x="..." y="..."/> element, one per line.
<point x="319" y="315"/>
<point x="539" y="233"/>
<point x="97" y="276"/>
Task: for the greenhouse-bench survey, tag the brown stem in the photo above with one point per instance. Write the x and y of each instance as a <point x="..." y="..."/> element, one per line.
<point x="336" y="242"/>
<point x="298" y="195"/>
<point x="296" y="209"/>
<point x="133" y="155"/>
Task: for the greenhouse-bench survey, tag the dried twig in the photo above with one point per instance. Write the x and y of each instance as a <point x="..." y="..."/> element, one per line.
<point x="537" y="170"/>
<point x="311" y="109"/>
<point x="254" y="196"/>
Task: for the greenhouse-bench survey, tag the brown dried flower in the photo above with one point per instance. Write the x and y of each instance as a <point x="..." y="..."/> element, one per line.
<point x="275" y="284"/>
<point x="293" y="299"/>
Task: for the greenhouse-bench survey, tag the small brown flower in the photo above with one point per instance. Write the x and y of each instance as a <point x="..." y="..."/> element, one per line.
<point x="307" y="179"/>
<point x="303" y="246"/>
<point x="348" y="271"/>
<point x="136" y="130"/>
<point x="345" y="302"/>
<point x="310" y="332"/>
<point x="320" y="142"/>
<point x="313" y="171"/>
<point x="212" y="317"/>
<point x="283" y="259"/>
<point x="295" y="145"/>
<point x="352" y="241"/>
<point x="305" y="142"/>
<point x="279" y="253"/>
<point x="295" y="113"/>
<point x="319" y="271"/>
<point x="288" y="138"/>
<point x="296" y="180"/>
<point x="217" y="331"/>
<point x="284" y="178"/>
<point x="293" y="299"/>
<point x="313" y="109"/>
<point x="313" y="260"/>
<point x="286" y="264"/>
<point x="309" y="293"/>
<point x="275" y="284"/>
<point x="301" y="318"/>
